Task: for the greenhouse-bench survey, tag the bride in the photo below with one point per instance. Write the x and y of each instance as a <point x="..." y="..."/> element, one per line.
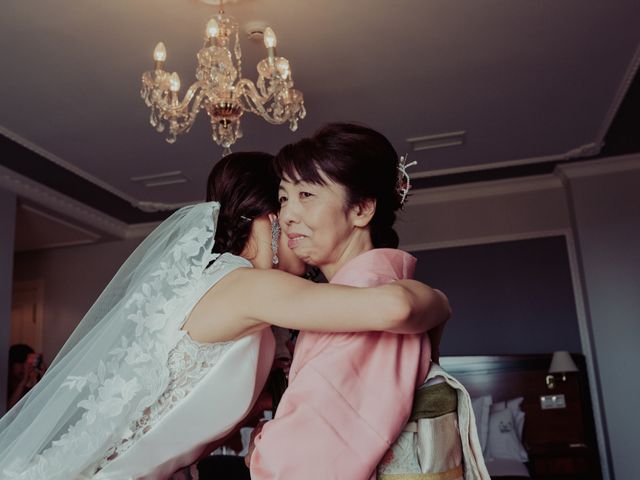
<point x="175" y="351"/>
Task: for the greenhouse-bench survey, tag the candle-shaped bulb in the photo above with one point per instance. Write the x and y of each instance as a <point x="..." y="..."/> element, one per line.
<point x="270" y="40"/>
<point x="160" y="52"/>
<point x="212" y="28"/>
<point x="174" y="82"/>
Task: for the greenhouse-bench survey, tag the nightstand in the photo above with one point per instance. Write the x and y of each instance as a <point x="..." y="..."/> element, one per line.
<point x="561" y="461"/>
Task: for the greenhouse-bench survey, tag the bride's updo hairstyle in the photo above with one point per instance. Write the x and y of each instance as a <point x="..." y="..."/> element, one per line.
<point x="360" y="159"/>
<point x="246" y="187"/>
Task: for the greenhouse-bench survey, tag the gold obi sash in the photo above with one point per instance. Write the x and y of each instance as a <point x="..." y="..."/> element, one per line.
<point x="429" y="448"/>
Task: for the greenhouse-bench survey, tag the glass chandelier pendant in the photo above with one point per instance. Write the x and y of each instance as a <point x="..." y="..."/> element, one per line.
<point x="219" y="88"/>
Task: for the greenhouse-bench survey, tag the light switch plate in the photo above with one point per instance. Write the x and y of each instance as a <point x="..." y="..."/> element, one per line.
<point x="549" y="402"/>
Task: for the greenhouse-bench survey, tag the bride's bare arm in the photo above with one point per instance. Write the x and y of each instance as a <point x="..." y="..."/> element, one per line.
<point x="277" y="298"/>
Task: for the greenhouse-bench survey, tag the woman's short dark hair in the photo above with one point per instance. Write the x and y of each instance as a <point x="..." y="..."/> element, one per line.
<point x="360" y="159"/>
<point x="246" y="186"/>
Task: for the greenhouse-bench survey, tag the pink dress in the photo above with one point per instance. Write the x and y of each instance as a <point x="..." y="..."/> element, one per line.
<point x="349" y="394"/>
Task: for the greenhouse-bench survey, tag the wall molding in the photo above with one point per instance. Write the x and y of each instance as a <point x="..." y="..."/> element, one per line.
<point x="489" y="188"/>
<point x="580" y="151"/>
<point x="586" y="341"/>
<point x="601" y="166"/>
<point x="508" y="186"/>
<point x="471" y="241"/>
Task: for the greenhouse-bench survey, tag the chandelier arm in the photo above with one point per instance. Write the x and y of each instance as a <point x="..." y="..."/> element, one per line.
<point x="184" y="115"/>
<point x="254" y="101"/>
<point x="183" y="105"/>
<point x="179" y="116"/>
<point x="147" y="86"/>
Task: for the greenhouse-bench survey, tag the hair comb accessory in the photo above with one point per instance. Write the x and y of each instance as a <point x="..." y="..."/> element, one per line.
<point x="403" y="184"/>
<point x="246" y="219"/>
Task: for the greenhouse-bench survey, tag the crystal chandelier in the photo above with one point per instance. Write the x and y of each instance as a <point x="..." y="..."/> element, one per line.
<point x="219" y="88"/>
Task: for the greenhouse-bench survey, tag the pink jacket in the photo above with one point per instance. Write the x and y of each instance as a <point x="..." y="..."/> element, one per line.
<point x="349" y="394"/>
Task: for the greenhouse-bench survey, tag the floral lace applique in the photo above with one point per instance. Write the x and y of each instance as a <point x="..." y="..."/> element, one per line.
<point x="188" y="363"/>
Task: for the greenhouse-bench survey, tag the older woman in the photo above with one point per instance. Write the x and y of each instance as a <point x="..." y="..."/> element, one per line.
<point x="350" y="394"/>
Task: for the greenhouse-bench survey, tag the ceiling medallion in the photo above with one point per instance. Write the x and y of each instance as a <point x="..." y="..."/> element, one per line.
<point x="219" y="88"/>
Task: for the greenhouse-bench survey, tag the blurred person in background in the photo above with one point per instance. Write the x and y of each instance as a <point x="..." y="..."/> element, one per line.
<point x="25" y="370"/>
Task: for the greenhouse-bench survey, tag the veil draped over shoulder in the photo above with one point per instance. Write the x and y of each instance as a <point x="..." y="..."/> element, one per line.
<point x="114" y="365"/>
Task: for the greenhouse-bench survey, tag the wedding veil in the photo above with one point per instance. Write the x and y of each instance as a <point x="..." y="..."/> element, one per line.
<point x="114" y="365"/>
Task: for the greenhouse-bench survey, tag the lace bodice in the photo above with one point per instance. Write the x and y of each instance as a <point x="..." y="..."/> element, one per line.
<point x="188" y="362"/>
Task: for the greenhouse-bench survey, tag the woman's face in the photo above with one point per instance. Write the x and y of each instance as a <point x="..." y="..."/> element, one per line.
<point x="316" y="220"/>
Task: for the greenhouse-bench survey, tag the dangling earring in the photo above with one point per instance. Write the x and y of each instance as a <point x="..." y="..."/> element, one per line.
<point x="275" y="238"/>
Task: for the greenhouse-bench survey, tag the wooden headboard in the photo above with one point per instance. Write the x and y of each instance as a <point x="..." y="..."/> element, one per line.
<point x="508" y="376"/>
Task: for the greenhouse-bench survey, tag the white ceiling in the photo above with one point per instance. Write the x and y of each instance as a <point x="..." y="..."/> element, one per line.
<point x="527" y="80"/>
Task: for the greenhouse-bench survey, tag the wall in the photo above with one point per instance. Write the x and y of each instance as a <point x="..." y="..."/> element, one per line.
<point x="604" y="200"/>
<point x="507" y="298"/>
<point x="7" y="227"/>
<point x="73" y="278"/>
<point x="490" y="247"/>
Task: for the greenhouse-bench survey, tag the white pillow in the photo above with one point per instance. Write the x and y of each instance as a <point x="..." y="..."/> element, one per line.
<point x="481" y="407"/>
<point x="503" y="439"/>
<point x="518" y="415"/>
<point x="512" y="404"/>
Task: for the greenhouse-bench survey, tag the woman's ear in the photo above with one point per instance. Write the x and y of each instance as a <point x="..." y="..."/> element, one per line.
<point x="363" y="212"/>
<point x="273" y="217"/>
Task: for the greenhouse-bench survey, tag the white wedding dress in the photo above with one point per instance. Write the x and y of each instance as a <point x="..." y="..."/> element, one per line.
<point x="212" y="388"/>
<point x="131" y="395"/>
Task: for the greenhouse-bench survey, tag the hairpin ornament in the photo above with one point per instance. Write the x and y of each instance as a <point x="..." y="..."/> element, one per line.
<point x="404" y="181"/>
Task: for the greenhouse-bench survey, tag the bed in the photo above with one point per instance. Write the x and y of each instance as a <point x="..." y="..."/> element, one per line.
<point x="522" y="439"/>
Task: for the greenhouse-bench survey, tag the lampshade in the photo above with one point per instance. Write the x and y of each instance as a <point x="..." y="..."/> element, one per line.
<point x="561" y="362"/>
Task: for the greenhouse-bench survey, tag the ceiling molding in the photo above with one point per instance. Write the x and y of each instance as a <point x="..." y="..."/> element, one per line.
<point x="602" y="166"/>
<point x="66" y="206"/>
<point x="581" y="151"/>
<point x="142" y="205"/>
<point x="619" y="96"/>
<point x="484" y="189"/>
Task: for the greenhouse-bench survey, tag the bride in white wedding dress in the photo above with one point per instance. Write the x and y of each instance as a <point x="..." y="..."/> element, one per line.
<point x="175" y="351"/>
